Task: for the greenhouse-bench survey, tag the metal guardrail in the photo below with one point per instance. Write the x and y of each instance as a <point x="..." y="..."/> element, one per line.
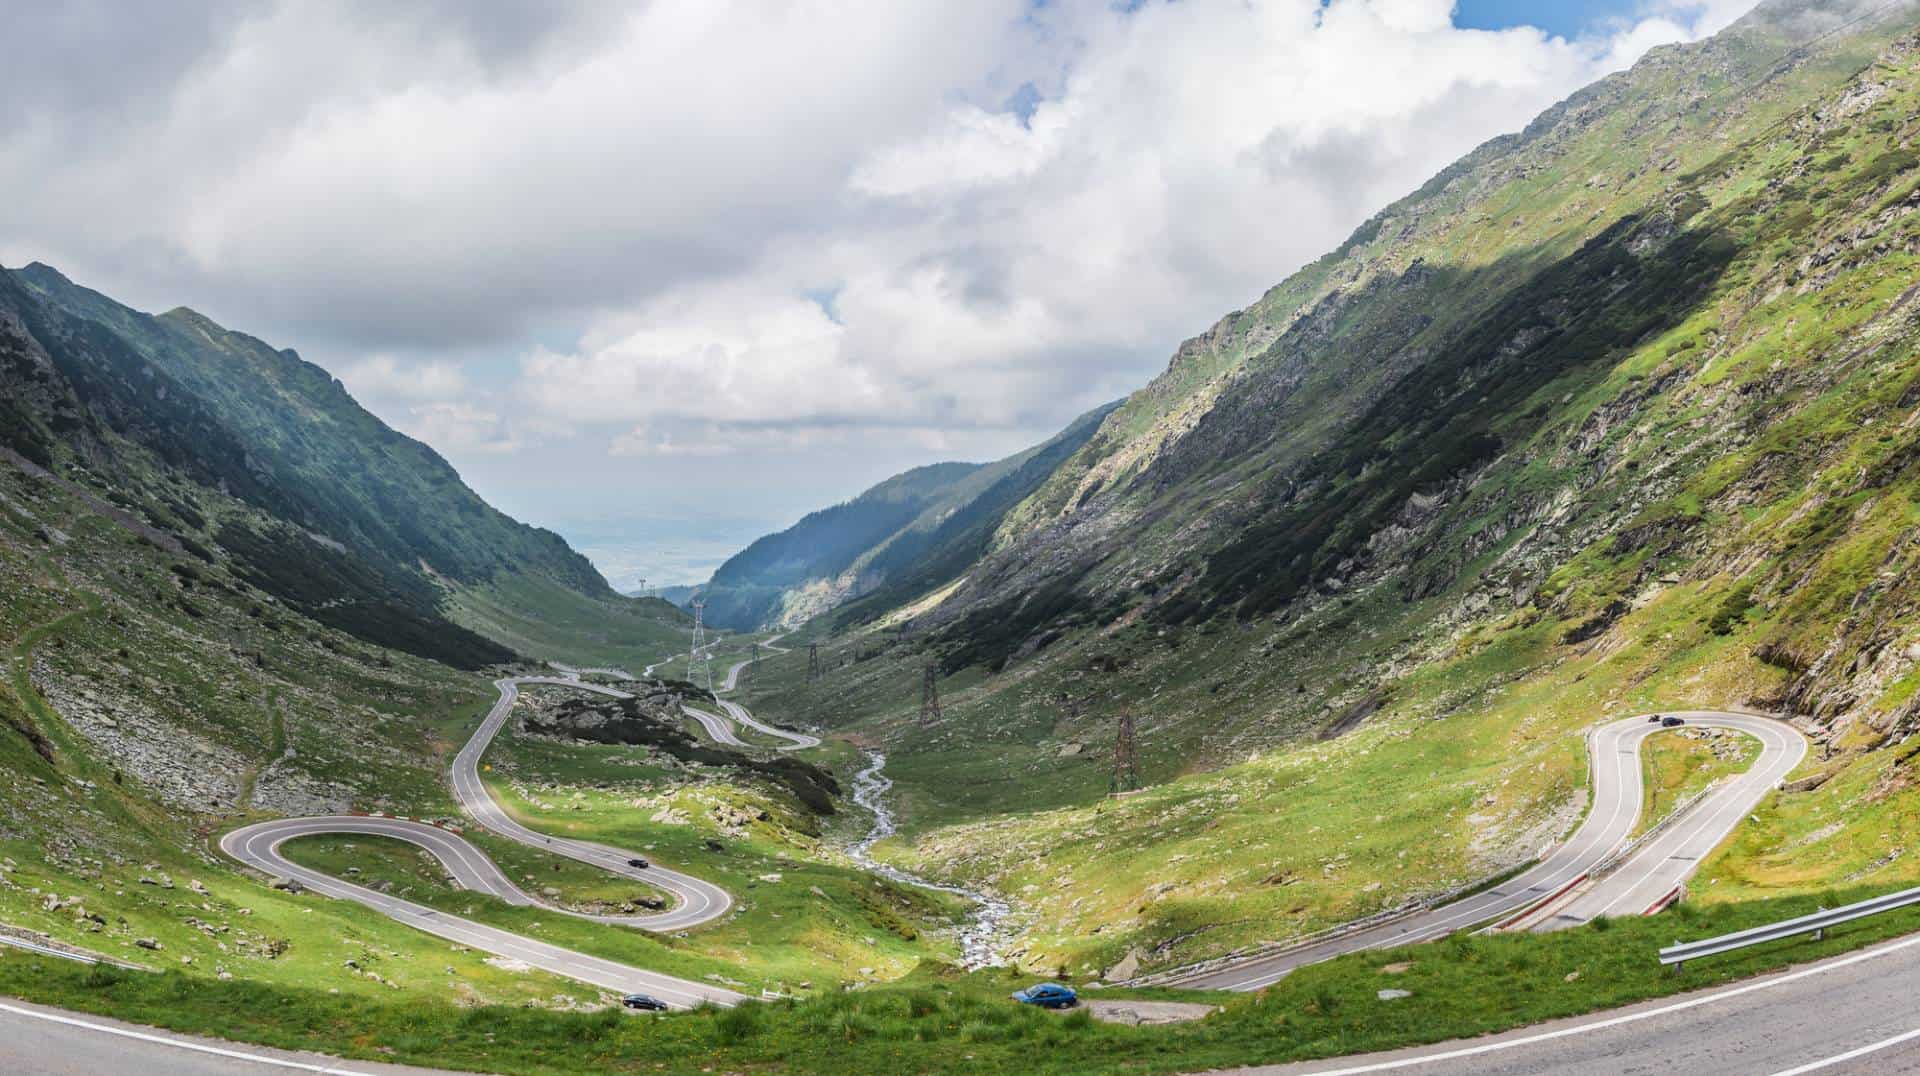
<point x="1816" y="924"/>
<point x="17" y="942"/>
<point x="1612" y="860"/>
<point x="1169" y="976"/>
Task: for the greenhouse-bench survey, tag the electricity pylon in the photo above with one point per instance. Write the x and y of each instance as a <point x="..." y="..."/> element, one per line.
<point x="929" y="694"/>
<point x="699" y="669"/>
<point x="1126" y="767"/>
<point x="813" y="662"/>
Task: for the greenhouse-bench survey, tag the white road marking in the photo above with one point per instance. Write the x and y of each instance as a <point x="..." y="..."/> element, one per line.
<point x="197" y="1047"/>
<point x="1618" y="794"/>
<point x="699" y="901"/>
<point x="1629" y="1018"/>
<point x="1815" y="1066"/>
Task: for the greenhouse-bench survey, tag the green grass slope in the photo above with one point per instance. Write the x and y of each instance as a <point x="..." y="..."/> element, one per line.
<point x="350" y="521"/>
<point x="1617" y="415"/>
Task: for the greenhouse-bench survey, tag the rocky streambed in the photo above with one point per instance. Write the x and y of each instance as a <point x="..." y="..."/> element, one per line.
<point x="983" y="935"/>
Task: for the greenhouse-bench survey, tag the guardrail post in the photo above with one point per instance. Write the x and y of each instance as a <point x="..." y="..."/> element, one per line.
<point x="1674" y="968"/>
<point x="1820" y="933"/>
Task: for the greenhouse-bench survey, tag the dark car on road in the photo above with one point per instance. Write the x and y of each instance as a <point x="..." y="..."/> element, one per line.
<point x="1669" y="722"/>
<point x="644" y="1001"/>
<point x="1048" y="996"/>
<point x="636" y="862"/>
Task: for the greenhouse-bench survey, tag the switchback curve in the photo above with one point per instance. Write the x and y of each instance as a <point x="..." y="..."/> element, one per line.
<point x="698" y="901"/>
<point x="1636" y="886"/>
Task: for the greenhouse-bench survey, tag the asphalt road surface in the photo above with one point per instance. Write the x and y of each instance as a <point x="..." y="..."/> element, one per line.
<point x="697" y="901"/>
<point x="1649" y="873"/>
<point x="721" y="728"/>
<point x="796" y="741"/>
<point x="38" y="1041"/>
<point x="1851" y="1014"/>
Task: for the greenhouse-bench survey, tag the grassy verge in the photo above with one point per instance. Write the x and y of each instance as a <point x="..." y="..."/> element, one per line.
<point x="1679" y="763"/>
<point x="940" y="1021"/>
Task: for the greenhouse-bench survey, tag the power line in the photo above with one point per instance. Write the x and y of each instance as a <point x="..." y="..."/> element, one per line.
<point x="699" y="668"/>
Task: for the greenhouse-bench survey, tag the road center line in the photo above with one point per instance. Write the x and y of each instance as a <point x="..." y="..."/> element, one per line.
<point x="1815" y="1066"/>
<point x="183" y="1044"/>
<point x="1645" y="1014"/>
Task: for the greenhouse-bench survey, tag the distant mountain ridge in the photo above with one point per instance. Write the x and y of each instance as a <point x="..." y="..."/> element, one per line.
<point x="244" y="450"/>
<point x="891" y="532"/>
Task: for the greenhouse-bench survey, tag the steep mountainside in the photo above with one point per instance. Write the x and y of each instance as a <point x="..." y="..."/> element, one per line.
<point x="1621" y="412"/>
<point x="906" y="533"/>
<point x="244" y="452"/>
<point x="1441" y="396"/>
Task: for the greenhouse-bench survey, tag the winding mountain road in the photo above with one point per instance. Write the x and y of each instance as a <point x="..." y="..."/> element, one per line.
<point x="697" y="901"/>
<point x="721" y="728"/>
<point x="796" y="741"/>
<point x="1849" y="1014"/>
<point x="1634" y="886"/>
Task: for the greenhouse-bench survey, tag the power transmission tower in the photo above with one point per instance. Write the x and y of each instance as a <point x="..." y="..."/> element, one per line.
<point x="699" y="669"/>
<point x="754" y="665"/>
<point x="643" y="589"/>
<point x="1126" y="767"/>
<point x="813" y="662"/>
<point x="929" y="695"/>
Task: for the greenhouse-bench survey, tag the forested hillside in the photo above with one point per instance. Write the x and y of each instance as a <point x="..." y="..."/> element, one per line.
<point x="251" y="456"/>
<point x="914" y="530"/>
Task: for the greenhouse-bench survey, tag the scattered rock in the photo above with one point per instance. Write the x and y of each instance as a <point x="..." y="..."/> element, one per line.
<point x="1136" y="1013"/>
<point x="1397" y="967"/>
<point x="1807" y="783"/>
<point x="149" y="943"/>
<point x="1127" y="968"/>
<point x="1394" y="995"/>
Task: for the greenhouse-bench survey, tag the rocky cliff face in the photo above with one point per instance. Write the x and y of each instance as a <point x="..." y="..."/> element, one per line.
<point x="652" y="719"/>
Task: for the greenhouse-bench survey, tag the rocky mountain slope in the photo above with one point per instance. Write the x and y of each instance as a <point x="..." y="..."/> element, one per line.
<point x="1615" y="413"/>
<point x="251" y="457"/>
<point x="228" y="593"/>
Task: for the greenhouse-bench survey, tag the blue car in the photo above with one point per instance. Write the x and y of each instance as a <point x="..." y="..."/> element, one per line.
<point x="1048" y="996"/>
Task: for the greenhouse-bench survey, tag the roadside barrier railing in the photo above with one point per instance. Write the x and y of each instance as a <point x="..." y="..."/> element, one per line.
<point x="1679" y="953"/>
<point x="1612" y="860"/>
<point x="66" y="954"/>
<point x="1172" y="976"/>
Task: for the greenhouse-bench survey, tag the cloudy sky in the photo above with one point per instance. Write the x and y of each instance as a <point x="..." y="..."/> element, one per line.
<point x="666" y="275"/>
